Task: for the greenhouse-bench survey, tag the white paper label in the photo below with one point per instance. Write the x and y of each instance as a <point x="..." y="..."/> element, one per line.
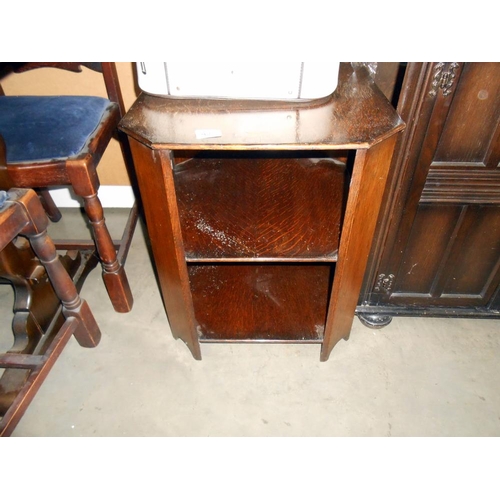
<point x="207" y="133"/>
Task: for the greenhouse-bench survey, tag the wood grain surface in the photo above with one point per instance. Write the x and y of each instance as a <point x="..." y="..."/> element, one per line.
<point x="274" y="303"/>
<point x="356" y="116"/>
<point x="265" y="207"/>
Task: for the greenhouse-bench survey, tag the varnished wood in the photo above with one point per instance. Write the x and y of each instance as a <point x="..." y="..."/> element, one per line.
<point x="209" y="235"/>
<point x="367" y="186"/>
<point x="477" y="96"/>
<point x="355" y="116"/>
<point x="36" y="303"/>
<point x="5" y="180"/>
<point x="415" y="78"/>
<point x="48" y="204"/>
<point x="264" y="303"/>
<point x="439" y="238"/>
<point x="162" y="218"/>
<point x="16" y="360"/>
<point x="37" y="311"/>
<point x="112" y="83"/>
<point x="22" y="214"/>
<point x="260" y="207"/>
<point x="36" y="377"/>
<point x="80" y="172"/>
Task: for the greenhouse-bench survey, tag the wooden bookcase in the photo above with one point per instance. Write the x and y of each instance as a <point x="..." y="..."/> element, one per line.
<point x="258" y="232"/>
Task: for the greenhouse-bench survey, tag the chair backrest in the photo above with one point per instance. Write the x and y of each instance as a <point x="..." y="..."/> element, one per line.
<point x="91" y="85"/>
<point x="108" y="70"/>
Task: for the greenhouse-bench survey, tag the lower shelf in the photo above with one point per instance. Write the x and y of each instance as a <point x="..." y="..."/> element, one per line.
<point x="260" y="303"/>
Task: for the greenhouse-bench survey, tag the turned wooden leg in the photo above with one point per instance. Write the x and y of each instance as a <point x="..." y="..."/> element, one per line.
<point x="87" y="332"/>
<point x="48" y="204"/>
<point x="21" y="213"/>
<point x="113" y="273"/>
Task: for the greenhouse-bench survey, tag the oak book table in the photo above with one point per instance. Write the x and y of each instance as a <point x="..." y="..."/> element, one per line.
<point x="258" y="231"/>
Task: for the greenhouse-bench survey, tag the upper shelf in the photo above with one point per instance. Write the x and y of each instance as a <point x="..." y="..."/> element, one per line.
<point x="356" y="116"/>
<point x="263" y="207"/>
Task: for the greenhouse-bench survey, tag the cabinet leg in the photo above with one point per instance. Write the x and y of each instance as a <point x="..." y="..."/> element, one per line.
<point x="113" y="273"/>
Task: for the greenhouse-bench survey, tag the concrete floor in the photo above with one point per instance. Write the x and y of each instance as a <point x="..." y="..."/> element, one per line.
<point x="416" y="377"/>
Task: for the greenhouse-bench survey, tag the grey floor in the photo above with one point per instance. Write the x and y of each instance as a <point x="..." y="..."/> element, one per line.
<point x="416" y="377"/>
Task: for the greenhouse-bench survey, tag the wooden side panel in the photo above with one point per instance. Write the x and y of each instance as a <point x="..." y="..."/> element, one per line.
<point x="370" y="173"/>
<point x="452" y="257"/>
<point x="154" y="174"/>
<point x="432" y="231"/>
<point x="478" y="258"/>
<point x="472" y="123"/>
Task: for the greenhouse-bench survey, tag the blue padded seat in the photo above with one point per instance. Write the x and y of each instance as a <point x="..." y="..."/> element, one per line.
<point x="41" y="128"/>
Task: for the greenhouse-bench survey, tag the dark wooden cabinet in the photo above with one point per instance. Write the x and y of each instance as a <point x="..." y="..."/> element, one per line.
<point x="437" y="245"/>
<point x="257" y="231"/>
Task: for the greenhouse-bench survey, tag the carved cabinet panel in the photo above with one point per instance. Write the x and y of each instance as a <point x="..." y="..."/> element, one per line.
<point x="437" y="250"/>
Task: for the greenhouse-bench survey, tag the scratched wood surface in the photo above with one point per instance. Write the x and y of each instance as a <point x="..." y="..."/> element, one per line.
<point x="215" y="221"/>
<point x="356" y="116"/>
<point x="265" y="207"/>
<point x="266" y="303"/>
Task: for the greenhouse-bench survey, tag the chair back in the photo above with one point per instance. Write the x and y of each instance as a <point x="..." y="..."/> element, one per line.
<point x="107" y="69"/>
